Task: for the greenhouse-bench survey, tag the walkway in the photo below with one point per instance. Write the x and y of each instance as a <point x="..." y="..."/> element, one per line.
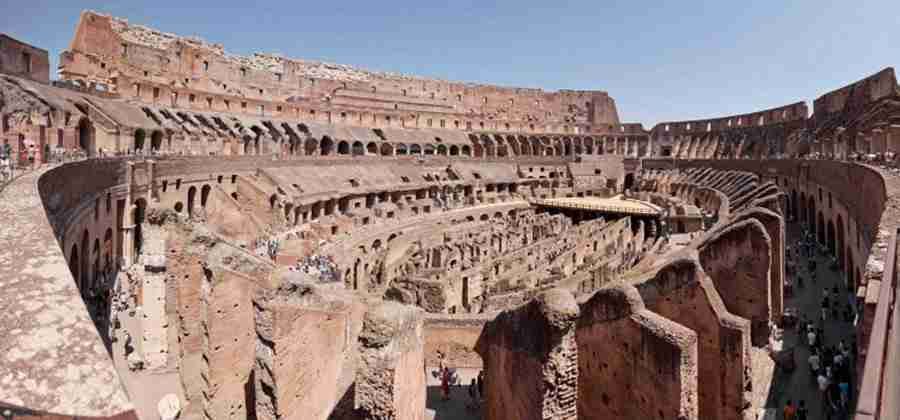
<point x="800" y="384"/>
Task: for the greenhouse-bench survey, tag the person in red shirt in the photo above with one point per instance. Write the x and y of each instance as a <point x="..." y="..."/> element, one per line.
<point x="790" y="412"/>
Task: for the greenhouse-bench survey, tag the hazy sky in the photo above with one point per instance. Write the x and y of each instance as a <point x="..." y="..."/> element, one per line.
<point x="676" y="61"/>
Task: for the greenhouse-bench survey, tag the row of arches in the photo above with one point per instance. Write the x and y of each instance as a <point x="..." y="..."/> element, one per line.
<point x="830" y="232"/>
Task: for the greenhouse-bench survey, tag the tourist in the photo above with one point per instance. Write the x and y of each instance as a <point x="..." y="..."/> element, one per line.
<point x="789" y="411"/>
<point x="823" y="383"/>
<point x="814" y="362"/>
<point x="825" y="308"/>
<point x="473" y="391"/>
<point x="802" y="413"/>
<point x="445" y="384"/>
<point x="811" y="336"/>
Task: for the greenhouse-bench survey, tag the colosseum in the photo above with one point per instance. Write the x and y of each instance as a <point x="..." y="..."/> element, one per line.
<point x="188" y="233"/>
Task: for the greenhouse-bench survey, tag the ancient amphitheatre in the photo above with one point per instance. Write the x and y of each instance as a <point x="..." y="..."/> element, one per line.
<point x="273" y="238"/>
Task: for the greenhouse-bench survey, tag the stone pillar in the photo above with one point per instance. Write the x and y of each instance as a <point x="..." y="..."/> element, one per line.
<point x="390" y="378"/>
<point x="531" y="360"/>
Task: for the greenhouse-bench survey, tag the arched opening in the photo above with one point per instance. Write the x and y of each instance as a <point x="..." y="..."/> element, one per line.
<point x="415" y="149"/>
<point x="387" y="149"/>
<point x="74" y="266"/>
<point x="204" y="195"/>
<point x="840" y="241"/>
<point x="358" y="149"/>
<point x="428" y="149"/>
<point x="401" y="149"/>
<point x="343" y="148"/>
<point x="139" y="136"/>
<point x="466" y="151"/>
<point x="442" y="150"/>
<point x="192" y="192"/>
<point x="156" y="140"/>
<point x="454" y="150"/>
<point x="372" y="148"/>
<point x="820" y="229"/>
<point x="86" y="136"/>
<point x="95" y="267"/>
<point x="830" y="239"/>
<point x="85" y="259"/>
<point x="326" y="146"/>
<point x="629" y="181"/>
<point x="107" y="247"/>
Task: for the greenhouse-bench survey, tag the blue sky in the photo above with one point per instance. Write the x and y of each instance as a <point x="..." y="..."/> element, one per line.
<point x="674" y="61"/>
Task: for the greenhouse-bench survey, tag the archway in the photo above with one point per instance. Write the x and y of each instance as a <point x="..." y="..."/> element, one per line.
<point x="107" y="247"/>
<point x="372" y="148"/>
<point x="820" y="229"/>
<point x="401" y="150"/>
<point x="830" y="238"/>
<point x="156" y="140"/>
<point x="204" y="195"/>
<point x="840" y="241"/>
<point x="326" y="146"/>
<point x="140" y="205"/>
<point x="192" y="192"/>
<point x="85" y="259"/>
<point x="415" y="149"/>
<point x="442" y="150"/>
<point x="74" y="266"/>
<point x="358" y="149"/>
<point x="343" y="148"/>
<point x="387" y="149"/>
<point x="629" y="181"/>
<point x="86" y="136"/>
<point x="466" y="151"/>
<point x="454" y="150"/>
<point x="139" y="136"/>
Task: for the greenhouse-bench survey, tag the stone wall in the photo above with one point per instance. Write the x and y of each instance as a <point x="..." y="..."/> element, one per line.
<point x="306" y="347"/>
<point x="390" y="379"/>
<point x="533" y="374"/>
<point x="20" y="59"/>
<point x="633" y="363"/>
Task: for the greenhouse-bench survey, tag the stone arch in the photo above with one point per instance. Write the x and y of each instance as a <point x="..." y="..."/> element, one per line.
<point x="74" y="265"/>
<point x="830" y="238"/>
<point x="357" y="149"/>
<point x="86" y="136"/>
<point x="204" y="195"/>
<point x="156" y="140"/>
<point x="442" y="150"/>
<point x="402" y="150"/>
<point x="326" y="146"/>
<point x="343" y="148"/>
<point x="454" y="150"/>
<point x="108" y="246"/>
<point x="820" y="229"/>
<point x="192" y="192"/>
<point x="466" y="151"/>
<point x="387" y="149"/>
<point x="415" y="149"/>
<point x="372" y="148"/>
<point x="140" y="136"/>
<point x="428" y="149"/>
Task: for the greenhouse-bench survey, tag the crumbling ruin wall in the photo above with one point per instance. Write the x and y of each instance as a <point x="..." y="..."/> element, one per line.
<point x="738" y="260"/>
<point x="531" y="360"/>
<point x="225" y="217"/>
<point x="633" y="363"/>
<point x="227" y="320"/>
<point x="775" y="228"/>
<point x="390" y="379"/>
<point x="305" y="353"/>
<point x="681" y="292"/>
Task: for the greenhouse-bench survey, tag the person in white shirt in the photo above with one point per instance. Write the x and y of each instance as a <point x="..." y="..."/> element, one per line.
<point x="811" y="336"/>
<point x="823" y="382"/>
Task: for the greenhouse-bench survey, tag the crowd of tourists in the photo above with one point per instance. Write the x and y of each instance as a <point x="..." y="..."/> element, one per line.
<point x="830" y="365"/>
<point x="321" y="267"/>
